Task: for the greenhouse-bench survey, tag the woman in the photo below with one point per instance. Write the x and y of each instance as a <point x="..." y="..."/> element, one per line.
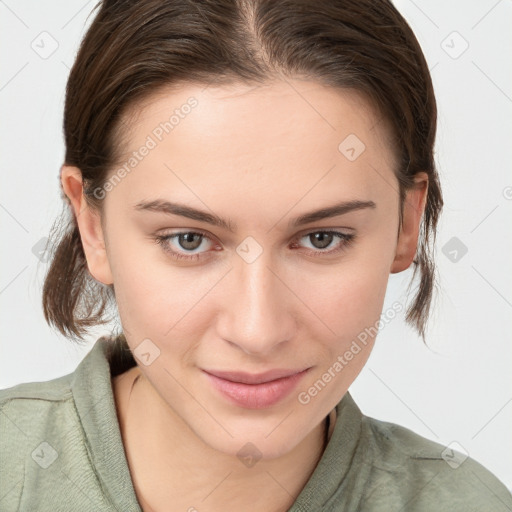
<point x="242" y="179"/>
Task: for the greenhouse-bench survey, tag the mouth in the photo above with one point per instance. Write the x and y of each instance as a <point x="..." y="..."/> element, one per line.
<point x="255" y="391"/>
<point x="250" y="378"/>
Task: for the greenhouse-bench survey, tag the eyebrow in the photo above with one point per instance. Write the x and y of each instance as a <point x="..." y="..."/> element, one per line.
<point x="163" y="206"/>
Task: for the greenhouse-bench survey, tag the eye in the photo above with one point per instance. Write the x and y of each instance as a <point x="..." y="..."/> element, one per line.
<point x="188" y="241"/>
<point x="190" y="244"/>
<point x="321" y="240"/>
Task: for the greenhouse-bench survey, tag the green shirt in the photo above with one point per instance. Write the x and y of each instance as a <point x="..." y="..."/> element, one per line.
<point x="61" y="450"/>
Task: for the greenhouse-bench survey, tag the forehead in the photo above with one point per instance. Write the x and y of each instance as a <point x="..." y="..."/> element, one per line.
<point x="278" y="106"/>
<point x="265" y="135"/>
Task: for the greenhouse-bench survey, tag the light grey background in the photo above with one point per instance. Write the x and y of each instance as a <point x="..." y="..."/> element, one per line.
<point x="459" y="390"/>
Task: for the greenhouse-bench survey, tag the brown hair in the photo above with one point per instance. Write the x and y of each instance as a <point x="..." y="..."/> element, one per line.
<point x="132" y="48"/>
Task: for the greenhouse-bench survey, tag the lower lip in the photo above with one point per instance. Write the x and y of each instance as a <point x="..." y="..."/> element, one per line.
<point x="256" y="396"/>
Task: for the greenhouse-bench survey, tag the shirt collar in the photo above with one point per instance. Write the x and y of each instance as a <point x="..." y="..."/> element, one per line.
<point x="94" y="398"/>
<point x="333" y="467"/>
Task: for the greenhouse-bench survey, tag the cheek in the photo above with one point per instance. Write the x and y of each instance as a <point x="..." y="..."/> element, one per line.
<point x="152" y="294"/>
<point x="348" y="297"/>
<point x="351" y="310"/>
<point x="349" y="302"/>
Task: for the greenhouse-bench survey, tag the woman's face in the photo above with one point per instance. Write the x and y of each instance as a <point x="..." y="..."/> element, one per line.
<point x="266" y="275"/>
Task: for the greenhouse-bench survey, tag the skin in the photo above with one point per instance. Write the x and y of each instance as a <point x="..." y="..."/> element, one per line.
<point x="259" y="156"/>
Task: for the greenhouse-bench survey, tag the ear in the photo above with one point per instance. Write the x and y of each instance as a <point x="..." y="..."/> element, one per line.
<point x="414" y="206"/>
<point x="89" y="225"/>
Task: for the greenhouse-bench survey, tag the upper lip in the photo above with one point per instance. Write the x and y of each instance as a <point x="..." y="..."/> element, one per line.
<point x="251" y="378"/>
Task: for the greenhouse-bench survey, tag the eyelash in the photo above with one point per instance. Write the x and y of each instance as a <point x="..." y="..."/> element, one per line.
<point x="346" y="241"/>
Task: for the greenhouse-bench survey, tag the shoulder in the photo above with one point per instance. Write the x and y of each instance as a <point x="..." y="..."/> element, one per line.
<point x="425" y="475"/>
<point x="31" y="408"/>
<point x="34" y="418"/>
<point x="24" y="405"/>
<point x="50" y="389"/>
<point x="60" y="443"/>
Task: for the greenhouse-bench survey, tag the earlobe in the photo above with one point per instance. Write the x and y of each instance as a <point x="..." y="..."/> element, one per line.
<point x="89" y="225"/>
<point x="414" y="206"/>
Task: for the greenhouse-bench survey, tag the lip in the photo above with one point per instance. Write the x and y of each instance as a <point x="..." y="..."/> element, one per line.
<point x="255" y="391"/>
<point x="253" y="378"/>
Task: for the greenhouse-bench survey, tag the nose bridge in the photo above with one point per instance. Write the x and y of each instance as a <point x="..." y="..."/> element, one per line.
<point x="256" y="318"/>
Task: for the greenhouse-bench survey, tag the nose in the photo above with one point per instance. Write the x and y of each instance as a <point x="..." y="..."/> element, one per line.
<point x="257" y="307"/>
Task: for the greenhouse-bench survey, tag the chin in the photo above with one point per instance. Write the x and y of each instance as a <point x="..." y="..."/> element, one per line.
<point x="262" y="439"/>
